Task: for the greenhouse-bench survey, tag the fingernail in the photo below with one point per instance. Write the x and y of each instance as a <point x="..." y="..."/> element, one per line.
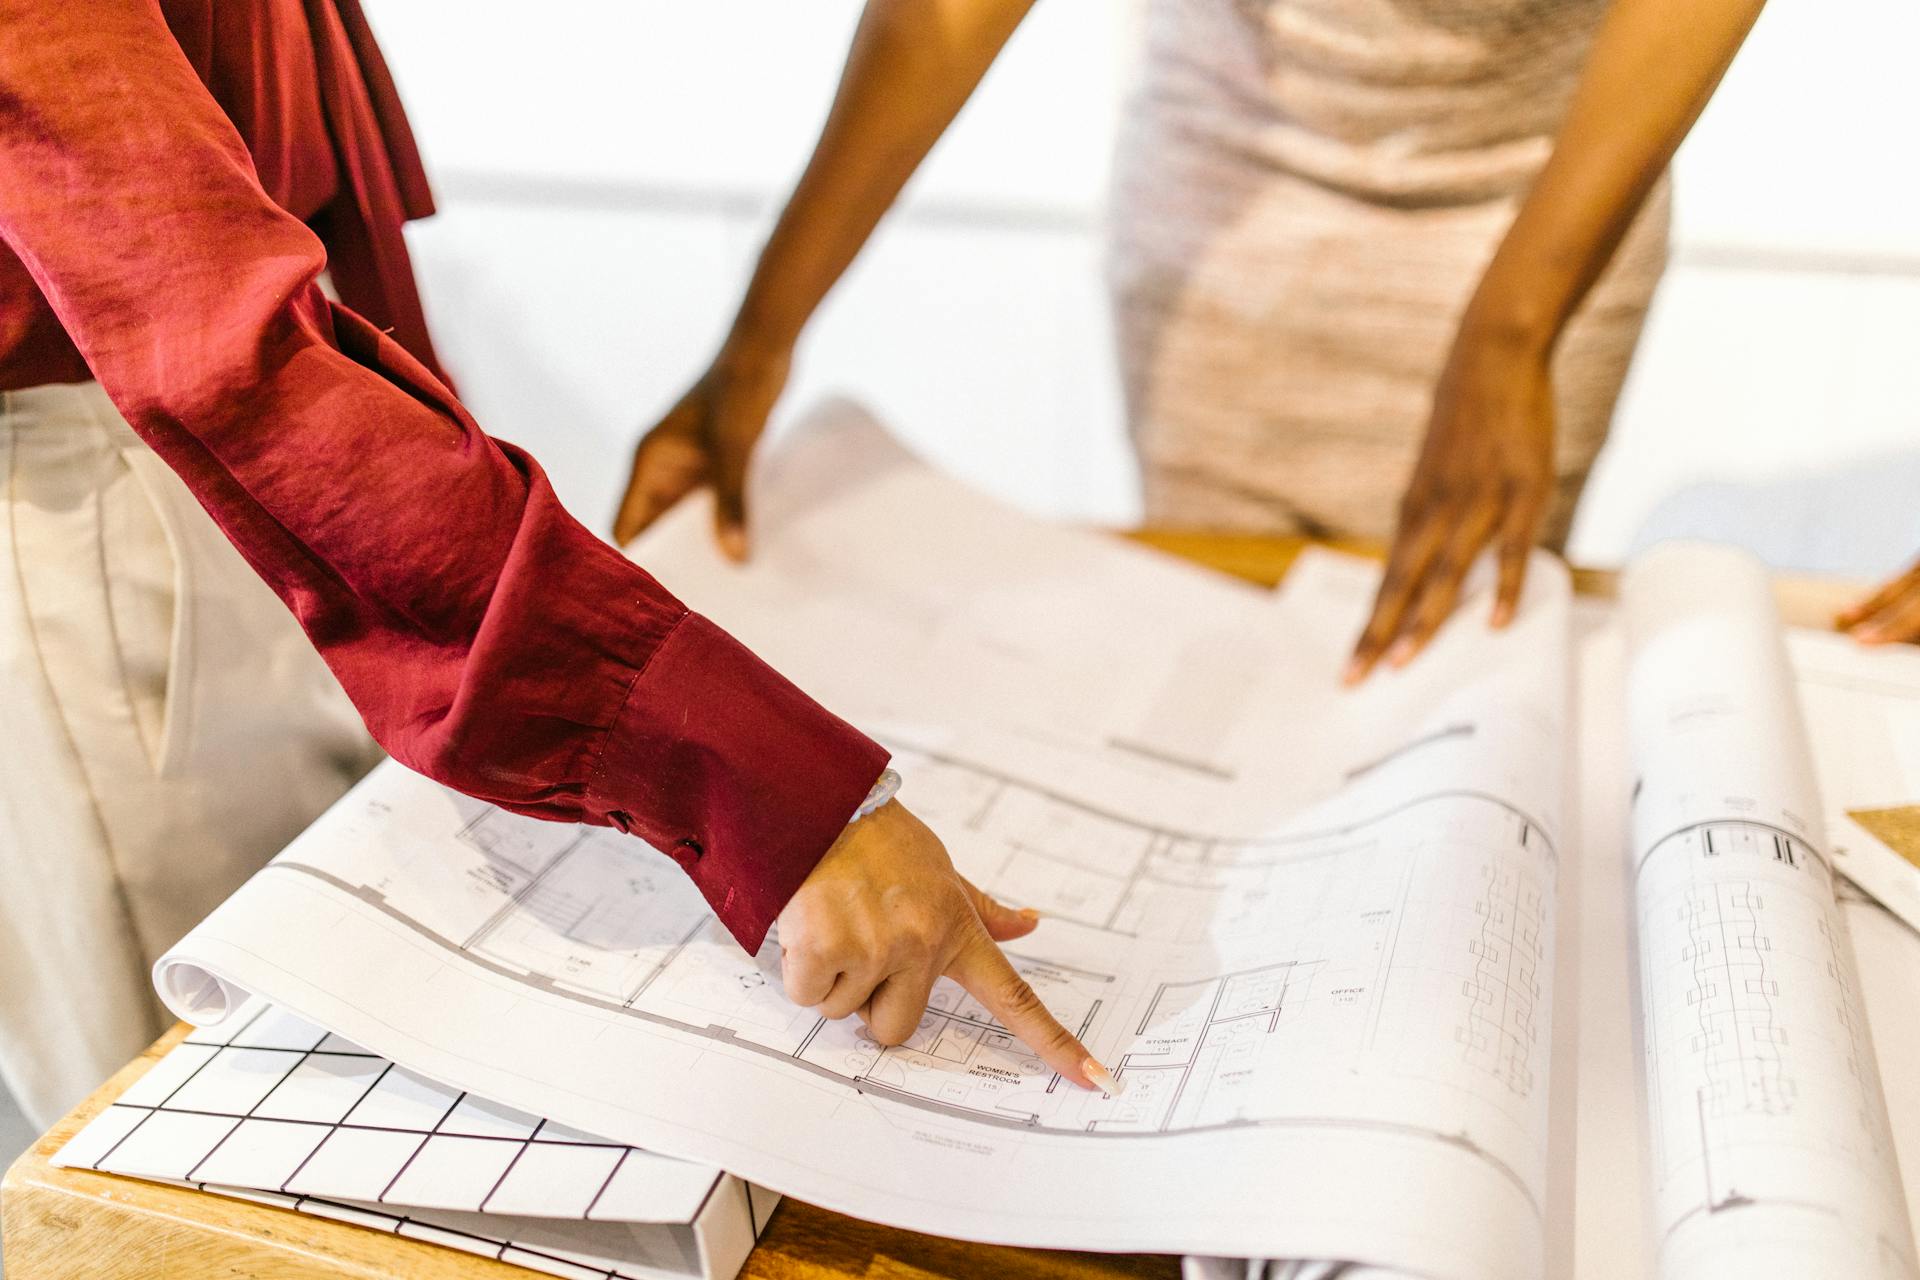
<point x="1102" y="1077"/>
<point x="733" y="542"/>
<point x="1029" y="915"/>
<point x="1402" y="652"/>
<point x="1502" y="614"/>
<point x="1356" y="667"/>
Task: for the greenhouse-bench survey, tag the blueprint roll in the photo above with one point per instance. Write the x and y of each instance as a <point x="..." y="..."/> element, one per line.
<point x="195" y="994"/>
<point x="1768" y="1143"/>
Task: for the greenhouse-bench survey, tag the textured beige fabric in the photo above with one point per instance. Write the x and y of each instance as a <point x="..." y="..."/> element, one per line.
<point x="1306" y="194"/>
<point x="166" y="728"/>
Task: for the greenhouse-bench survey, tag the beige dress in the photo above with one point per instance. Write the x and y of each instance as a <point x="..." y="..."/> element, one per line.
<point x="167" y="728"/>
<point x="1306" y="194"/>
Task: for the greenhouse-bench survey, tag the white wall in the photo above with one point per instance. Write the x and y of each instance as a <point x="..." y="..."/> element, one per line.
<point x="1784" y="346"/>
<point x="606" y="174"/>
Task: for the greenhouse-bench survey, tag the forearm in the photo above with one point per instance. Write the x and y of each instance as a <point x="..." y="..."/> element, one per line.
<point x="488" y="640"/>
<point x="1644" y="85"/>
<point x="912" y="67"/>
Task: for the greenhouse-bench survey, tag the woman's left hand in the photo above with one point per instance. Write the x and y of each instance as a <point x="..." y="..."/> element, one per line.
<point x="1484" y="477"/>
<point x="1889" y="615"/>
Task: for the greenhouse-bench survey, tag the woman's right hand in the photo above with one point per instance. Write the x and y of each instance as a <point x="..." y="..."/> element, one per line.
<point x="706" y="439"/>
<point x="884" y="915"/>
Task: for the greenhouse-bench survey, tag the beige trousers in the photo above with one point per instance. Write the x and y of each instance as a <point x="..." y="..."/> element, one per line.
<point x="164" y="728"/>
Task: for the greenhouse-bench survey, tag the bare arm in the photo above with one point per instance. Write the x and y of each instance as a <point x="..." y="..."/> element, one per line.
<point x="1650" y="74"/>
<point x="912" y="67"/>
<point x="1486" y="469"/>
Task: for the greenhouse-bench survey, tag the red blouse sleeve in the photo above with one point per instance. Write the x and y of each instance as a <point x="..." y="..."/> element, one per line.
<point x="489" y="640"/>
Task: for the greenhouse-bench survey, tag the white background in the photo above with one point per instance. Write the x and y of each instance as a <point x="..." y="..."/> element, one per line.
<point x="607" y="170"/>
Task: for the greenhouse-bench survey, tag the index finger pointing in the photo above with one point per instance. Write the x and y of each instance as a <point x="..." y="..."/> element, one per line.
<point x="983" y="970"/>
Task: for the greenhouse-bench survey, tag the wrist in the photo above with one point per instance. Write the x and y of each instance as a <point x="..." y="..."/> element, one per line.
<point x="750" y="356"/>
<point x="878" y="796"/>
<point x="1512" y="328"/>
<point x="761" y="334"/>
<point x="1518" y="308"/>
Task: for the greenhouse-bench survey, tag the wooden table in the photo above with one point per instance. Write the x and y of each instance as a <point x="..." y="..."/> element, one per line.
<point x="65" y="1223"/>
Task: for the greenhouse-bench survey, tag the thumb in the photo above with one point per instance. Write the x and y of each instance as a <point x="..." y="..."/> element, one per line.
<point x="1003" y="922"/>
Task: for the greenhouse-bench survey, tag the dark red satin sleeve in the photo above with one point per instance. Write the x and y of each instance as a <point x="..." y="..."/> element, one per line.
<point x="488" y="639"/>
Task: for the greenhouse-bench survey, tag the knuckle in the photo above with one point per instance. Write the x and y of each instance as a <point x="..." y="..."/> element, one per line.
<point x="912" y="949"/>
<point x="893" y="1027"/>
<point x="914" y="923"/>
<point x="827" y="955"/>
<point x="802" y="936"/>
<point x="1018" y="998"/>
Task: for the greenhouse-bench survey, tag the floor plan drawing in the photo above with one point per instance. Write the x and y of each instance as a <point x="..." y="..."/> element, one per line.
<point x="1770" y="1144"/>
<point x="582" y="913"/>
<point x="1323" y="956"/>
<point x="1379" y="985"/>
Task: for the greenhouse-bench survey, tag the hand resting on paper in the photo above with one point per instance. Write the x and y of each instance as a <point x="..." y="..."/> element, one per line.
<point x="884" y="915"/>
<point x="707" y="438"/>
<point x="1484" y="478"/>
<point x="1889" y="615"/>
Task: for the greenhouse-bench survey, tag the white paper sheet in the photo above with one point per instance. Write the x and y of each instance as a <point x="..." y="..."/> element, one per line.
<point x="1312" y="930"/>
<point x="1863" y="714"/>
<point x="1862" y="707"/>
<point x="273" y="1109"/>
<point x="1598" y="1226"/>
<point x="271" y="1102"/>
<point x="1769" y="1143"/>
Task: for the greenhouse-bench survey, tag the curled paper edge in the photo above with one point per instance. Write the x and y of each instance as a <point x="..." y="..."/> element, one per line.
<point x="194" y="993"/>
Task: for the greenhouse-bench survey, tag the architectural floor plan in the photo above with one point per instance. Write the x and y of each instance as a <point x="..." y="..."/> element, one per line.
<point x="577" y="911"/>
<point x="1770" y="1149"/>
<point x="1376" y="989"/>
<point x="1313" y="945"/>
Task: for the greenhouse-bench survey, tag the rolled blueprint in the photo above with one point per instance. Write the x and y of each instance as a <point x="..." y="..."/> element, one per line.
<point x="1770" y="1150"/>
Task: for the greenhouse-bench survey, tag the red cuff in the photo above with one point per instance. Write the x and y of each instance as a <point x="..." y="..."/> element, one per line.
<point x="720" y="762"/>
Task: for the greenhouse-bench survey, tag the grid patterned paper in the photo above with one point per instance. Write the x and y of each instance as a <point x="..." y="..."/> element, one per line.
<point x="271" y="1108"/>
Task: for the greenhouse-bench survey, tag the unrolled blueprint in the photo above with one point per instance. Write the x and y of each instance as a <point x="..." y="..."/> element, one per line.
<point x="1311" y="930"/>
